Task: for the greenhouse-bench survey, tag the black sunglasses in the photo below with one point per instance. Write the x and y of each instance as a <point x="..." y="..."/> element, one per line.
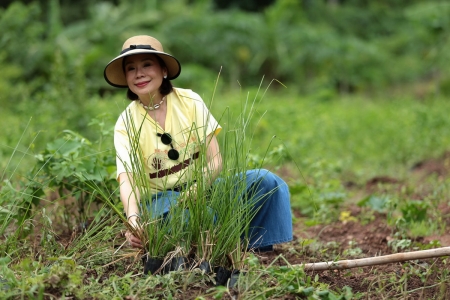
<point x="166" y="139"/>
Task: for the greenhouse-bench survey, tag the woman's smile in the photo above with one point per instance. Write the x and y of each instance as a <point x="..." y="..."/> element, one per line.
<point x="142" y="84"/>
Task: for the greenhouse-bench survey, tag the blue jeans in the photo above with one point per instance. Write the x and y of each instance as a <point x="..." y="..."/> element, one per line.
<point x="272" y="223"/>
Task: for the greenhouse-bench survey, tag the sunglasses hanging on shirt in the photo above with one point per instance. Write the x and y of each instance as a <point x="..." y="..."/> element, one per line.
<point x="166" y="139"/>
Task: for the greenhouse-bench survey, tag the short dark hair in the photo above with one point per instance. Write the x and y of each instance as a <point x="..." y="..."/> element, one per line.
<point x="166" y="86"/>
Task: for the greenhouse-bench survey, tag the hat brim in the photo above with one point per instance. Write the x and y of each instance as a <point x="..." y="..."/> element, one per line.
<point x="115" y="76"/>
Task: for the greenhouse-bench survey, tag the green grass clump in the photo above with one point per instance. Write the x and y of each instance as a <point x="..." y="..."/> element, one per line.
<point x="209" y="223"/>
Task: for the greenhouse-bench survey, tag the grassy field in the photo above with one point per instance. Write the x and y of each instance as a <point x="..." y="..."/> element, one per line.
<point x="357" y="168"/>
<point x="363" y="136"/>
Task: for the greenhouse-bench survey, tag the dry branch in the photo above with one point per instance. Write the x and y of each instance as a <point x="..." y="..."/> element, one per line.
<point x="377" y="260"/>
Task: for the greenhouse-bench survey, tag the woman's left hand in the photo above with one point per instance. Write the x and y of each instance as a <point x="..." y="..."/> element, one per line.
<point x="133" y="241"/>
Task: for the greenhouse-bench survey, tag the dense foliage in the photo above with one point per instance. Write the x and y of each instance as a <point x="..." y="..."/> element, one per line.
<point x="307" y="44"/>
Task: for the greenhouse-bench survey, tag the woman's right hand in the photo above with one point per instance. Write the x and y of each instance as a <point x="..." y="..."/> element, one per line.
<point x="133" y="240"/>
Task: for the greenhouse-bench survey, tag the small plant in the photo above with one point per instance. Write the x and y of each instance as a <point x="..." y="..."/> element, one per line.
<point x="399" y="243"/>
<point x="353" y="249"/>
<point x="66" y="166"/>
<point x="377" y="203"/>
<point x="414" y="211"/>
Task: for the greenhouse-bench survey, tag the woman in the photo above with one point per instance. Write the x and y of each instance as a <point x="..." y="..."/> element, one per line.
<point x="166" y="117"/>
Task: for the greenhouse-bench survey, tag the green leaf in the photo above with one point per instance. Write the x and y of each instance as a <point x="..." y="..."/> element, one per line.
<point x="376" y="203"/>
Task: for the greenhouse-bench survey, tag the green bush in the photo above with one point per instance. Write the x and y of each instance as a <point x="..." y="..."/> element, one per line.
<point x="70" y="164"/>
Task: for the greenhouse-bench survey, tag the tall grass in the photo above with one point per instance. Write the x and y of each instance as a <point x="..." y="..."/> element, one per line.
<point x="16" y="198"/>
<point x="210" y="223"/>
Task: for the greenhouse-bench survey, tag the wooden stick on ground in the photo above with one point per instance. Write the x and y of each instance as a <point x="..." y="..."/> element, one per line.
<point x="377" y="260"/>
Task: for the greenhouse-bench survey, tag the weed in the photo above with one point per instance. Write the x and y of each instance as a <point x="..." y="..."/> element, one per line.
<point x="414" y="211"/>
<point x="399" y="243"/>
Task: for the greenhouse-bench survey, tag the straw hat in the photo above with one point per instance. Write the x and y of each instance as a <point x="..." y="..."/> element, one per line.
<point x="114" y="73"/>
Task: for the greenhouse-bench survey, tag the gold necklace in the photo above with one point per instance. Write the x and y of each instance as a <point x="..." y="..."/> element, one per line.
<point x="153" y="107"/>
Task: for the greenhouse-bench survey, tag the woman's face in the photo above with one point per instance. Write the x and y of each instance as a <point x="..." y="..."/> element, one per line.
<point x="144" y="75"/>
